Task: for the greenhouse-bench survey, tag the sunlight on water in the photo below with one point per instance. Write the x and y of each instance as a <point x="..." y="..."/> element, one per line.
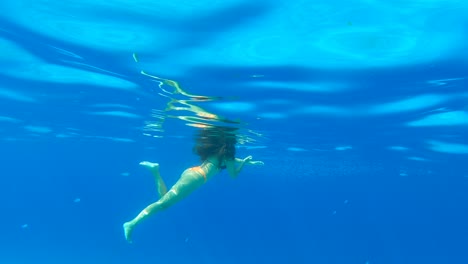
<point x="235" y="106"/>
<point x="306" y="86"/>
<point x="453" y="118"/>
<point x="445" y="81"/>
<point x="22" y="64"/>
<point x="342" y="148"/>
<point x="398" y="148"/>
<point x="16" y="96"/>
<point x="296" y="149"/>
<point x="410" y="104"/>
<point x="116" y="114"/>
<point x="364" y="36"/>
<point x="325" y="110"/>
<point x="104" y="105"/>
<point x="38" y="129"/>
<point x="322" y="34"/>
<point x="272" y="115"/>
<point x="9" y="119"/>
<point x="99" y="28"/>
<point x="61" y="74"/>
<point x="417" y="158"/>
<point x="446" y="147"/>
<point x="116" y="139"/>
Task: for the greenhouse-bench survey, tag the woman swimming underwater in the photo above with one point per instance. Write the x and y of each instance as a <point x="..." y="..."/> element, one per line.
<point x="216" y="148"/>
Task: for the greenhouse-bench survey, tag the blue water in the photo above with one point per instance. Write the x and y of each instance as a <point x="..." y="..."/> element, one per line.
<point x="358" y="110"/>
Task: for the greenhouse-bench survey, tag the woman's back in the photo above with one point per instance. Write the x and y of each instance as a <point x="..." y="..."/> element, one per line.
<point x="212" y="165"/>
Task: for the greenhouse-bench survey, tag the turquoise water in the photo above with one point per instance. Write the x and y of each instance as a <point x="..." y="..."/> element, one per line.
<point x="358" y="110"/>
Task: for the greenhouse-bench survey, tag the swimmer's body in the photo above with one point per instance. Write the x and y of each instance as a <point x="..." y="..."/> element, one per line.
<point x="216" y="151"/>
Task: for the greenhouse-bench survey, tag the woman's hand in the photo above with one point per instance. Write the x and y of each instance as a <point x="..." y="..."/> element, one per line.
<point x="249" y="160"/>
<point x="256" y="162"/>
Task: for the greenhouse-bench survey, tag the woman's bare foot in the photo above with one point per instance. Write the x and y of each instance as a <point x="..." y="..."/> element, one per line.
<point x="128" y="230"/>
<point x="154" y="167"/>
<point x="149" y="165"/>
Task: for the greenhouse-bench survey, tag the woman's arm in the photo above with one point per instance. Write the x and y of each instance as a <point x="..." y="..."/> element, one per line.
<point x="234" y="170"/>
<point x="251" y="162"/>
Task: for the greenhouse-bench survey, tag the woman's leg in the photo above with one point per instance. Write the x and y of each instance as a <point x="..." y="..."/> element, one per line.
<point x="154" y="168"/>
<point x="188" y="182"/>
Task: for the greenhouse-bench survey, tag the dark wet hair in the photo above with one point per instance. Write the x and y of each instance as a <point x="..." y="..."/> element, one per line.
<point x="216" y="141"/>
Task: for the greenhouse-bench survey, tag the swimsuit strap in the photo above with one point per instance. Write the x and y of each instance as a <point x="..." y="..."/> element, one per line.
<point x="200" y="171"/>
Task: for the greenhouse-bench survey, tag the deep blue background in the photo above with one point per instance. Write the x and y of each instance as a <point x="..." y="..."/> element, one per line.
<point x="310" y="203"/>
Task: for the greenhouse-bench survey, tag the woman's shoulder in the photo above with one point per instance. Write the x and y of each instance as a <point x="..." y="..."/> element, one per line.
<point x="211" y="159"/>
<point x="217" y="161"/>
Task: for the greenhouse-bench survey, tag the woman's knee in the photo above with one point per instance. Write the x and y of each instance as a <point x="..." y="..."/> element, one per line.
<point x="171" y="197"/>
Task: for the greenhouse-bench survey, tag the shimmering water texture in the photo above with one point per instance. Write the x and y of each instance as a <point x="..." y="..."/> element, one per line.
<point x="328" y="47"/>
<point x="185" y="106"/>
<point x="362" y="33"/>
<point x="198" y="116"/>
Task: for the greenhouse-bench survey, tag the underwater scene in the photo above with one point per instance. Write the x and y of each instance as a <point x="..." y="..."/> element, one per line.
<point x="233" y="131"/>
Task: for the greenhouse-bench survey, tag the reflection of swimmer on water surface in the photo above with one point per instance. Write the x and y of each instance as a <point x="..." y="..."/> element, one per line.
<point x="194" y="114"/>
<point x="216" y="148"/>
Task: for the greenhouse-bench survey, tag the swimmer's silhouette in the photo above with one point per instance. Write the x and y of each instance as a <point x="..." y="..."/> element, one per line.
<point x="216" y="148"/>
